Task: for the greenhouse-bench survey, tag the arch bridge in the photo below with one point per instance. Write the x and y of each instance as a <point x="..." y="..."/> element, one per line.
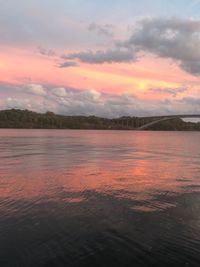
<point x="156" y="120"/>
<point x="143" y="123"/>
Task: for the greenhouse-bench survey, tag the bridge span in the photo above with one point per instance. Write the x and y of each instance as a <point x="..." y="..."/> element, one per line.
<point x="154" y="120"/>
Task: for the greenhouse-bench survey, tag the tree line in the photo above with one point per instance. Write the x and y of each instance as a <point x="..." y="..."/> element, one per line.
<point x="25" y="119"/>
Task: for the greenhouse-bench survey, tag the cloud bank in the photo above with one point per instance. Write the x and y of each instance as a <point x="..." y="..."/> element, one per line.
<point x="172" y="38"/>
<point x="70" y="101"/>
<point x="99" y="57"/>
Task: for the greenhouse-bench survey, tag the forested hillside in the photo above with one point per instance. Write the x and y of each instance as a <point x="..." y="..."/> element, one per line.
<point x="15" y="118"/>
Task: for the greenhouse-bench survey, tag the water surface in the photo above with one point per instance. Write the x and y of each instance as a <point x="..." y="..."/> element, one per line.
<point x="99" y="198"/>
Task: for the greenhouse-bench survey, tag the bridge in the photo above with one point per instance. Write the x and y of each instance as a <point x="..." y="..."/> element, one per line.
<point x="156" y="120"/>
<point x="143" y="123"/>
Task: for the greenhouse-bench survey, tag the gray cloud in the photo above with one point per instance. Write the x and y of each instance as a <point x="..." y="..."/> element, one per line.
<point x="108" y="56"/>
<point x="27" y="103"/>
<point x="59" y="92"/>
<point x="71" y="101"/>
<point x="169" y="91"/>
<point x="191" y="100"/>
<point x="173" y="38"/>
<point x="106" y="29"/>
<point x="35" y="89"/>
<point x="68" y="64"/>
<point x="46" y="52"/>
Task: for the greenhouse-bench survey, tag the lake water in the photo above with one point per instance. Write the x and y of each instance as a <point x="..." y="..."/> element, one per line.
<point x="99" y="198"/>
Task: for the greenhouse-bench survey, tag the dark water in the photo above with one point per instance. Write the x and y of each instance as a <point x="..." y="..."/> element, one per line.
<point x="99" y="198"/>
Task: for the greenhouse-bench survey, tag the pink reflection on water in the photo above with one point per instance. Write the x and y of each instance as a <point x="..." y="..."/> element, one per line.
<point x="51" y="165"/>
<point x="133" y="180"/>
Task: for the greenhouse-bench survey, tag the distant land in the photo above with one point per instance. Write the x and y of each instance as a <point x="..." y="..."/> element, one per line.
<point x="25" y="119"/>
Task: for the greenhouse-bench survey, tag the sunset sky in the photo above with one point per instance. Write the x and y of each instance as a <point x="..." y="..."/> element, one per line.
<point x="107" y="58"/>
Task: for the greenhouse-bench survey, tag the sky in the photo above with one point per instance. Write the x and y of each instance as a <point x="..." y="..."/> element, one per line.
<point x="106" y="58"/>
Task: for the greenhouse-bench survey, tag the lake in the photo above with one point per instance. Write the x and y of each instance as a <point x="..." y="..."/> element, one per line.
<point x="99" y="198"/>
